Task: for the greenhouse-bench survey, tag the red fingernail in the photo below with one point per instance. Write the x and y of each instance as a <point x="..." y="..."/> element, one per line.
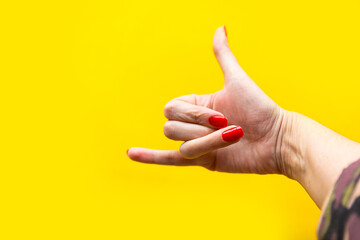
<point x="232" y="134"/>
<point x="225" y="31"/>
<point x="127" y="152"/>
<point x="218" y="121"/>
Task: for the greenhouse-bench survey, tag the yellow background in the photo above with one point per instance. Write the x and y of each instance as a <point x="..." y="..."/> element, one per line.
<point x="82" y="81"/>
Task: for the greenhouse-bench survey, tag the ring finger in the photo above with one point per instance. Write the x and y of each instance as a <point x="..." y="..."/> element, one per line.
<point x="183" y="131"/>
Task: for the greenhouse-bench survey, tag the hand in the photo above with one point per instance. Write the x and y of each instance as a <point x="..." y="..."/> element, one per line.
<point x="243" y="104"/>
<point x="275" y="140"/>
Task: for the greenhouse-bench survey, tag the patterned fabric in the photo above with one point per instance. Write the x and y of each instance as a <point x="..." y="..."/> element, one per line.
<point x="341" y="217"/>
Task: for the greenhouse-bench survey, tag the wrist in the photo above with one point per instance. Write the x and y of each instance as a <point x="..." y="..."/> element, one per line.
<point x="312" y="154"/>
<point x="289" y="150"/>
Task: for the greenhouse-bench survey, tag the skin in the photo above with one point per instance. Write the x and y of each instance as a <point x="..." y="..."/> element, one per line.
<point x="275" y="141"/>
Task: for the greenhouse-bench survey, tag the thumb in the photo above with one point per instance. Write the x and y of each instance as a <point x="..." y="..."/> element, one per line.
<point x="226" y="59"/>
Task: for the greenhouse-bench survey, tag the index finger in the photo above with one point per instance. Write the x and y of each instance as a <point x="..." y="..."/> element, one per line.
<point x="162" y="157"/>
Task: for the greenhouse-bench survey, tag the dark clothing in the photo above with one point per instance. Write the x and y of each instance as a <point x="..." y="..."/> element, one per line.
<point x="341" y="217"/>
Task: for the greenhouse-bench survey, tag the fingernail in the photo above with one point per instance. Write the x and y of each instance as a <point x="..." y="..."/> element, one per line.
<point x="232" y="134"/>
<point x="127" y="151"/>
<point x="218" y="121"/>
<point x="225" y="31"/>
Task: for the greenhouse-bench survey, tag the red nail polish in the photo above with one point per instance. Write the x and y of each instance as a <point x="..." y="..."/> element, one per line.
<point x="232" y="134"/>
<point x="127" y="152"/>
<point x="218" y="121"/>
<point x="225" y="31"/>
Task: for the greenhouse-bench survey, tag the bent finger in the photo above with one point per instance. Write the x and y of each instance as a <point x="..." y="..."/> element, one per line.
<point x="218" y="139"/>
<point x="186" y="112"/>
<point x="183" y="131"/>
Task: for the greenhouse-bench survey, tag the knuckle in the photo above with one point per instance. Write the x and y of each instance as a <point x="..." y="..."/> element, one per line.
<point x="183" y="151"/>
<point x="220" y="47"/>
<point x="169" y="129"/>
<point x="216" y="47"/>
<point x="168" y="109"/>
<point x="186" y="151"/>
<point x="199" y="116"/>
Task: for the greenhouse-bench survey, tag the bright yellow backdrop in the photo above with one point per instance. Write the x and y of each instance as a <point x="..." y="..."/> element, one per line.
<point x="82" y="81"/>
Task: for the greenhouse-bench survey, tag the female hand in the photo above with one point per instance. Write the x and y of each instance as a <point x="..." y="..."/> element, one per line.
<point x="243" y="103"/>
<point x="275" y="140"/>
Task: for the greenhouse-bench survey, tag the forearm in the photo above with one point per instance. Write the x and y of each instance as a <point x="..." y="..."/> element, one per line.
<point x="313" y="154"/>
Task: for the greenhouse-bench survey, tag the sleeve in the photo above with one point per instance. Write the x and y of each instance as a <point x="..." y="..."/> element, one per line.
<point x="341" y="216"/>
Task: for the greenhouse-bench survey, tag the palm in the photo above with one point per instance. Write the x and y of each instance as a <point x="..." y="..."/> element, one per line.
<point x="256" y="114"/>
